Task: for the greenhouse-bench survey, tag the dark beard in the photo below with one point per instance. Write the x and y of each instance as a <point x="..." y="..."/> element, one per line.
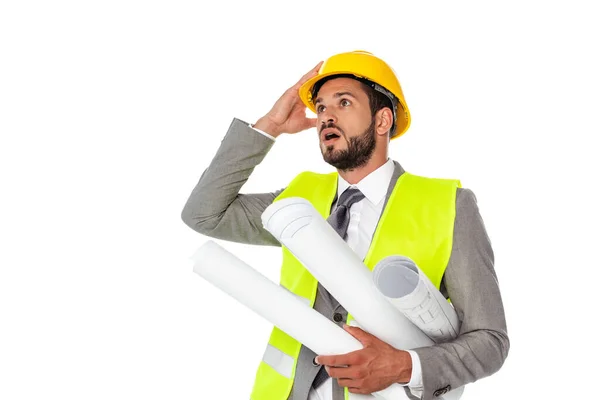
<point x="359" y="151"/>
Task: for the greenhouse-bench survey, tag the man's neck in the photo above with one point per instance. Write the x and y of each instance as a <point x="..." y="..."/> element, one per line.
<point x="353" y="176"/>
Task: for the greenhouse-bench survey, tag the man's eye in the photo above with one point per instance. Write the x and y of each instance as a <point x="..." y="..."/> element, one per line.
<point x="320" y="109"/>
<point x="345" y="102"/>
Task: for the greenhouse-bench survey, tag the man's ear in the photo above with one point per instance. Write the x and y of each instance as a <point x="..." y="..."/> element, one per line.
<point x="384" y="120"/>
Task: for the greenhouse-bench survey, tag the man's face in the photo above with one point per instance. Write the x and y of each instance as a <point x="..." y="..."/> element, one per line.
<point x="345" y="125"/>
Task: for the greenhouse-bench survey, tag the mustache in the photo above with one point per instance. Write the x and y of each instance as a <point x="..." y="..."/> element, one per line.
<point x="330" y="125"/>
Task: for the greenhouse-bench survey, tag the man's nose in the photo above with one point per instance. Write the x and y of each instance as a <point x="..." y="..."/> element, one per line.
<point x="327" y="117"/>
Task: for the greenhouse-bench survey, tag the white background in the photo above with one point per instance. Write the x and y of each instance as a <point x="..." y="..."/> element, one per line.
<point x="111" y="110"/>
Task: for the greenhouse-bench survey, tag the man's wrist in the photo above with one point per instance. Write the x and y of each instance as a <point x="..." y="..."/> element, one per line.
<point x="405" y="367"/>
<point x="263" y="124"/>
<point x="265" y="134"/>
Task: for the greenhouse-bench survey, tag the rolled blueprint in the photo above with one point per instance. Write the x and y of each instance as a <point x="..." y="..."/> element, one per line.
<point x="299" y="227"/>
<point x="281" y="308"/>
<point x="409" y="290"/>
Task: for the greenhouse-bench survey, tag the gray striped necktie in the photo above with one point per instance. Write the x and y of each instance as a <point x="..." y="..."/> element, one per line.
<point x="340" y="217"/>
<point x="339" y="220"/>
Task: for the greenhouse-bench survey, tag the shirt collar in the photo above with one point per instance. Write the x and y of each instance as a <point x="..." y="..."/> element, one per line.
<point x="374" y="186"/>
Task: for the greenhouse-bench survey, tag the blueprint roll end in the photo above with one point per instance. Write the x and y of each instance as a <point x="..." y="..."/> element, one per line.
<point x="287" y="216"/>
<point x="396" y="276"/>
<point x="208" y="250"/>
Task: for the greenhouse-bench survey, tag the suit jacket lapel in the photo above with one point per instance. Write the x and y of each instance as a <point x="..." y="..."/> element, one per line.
<point x="398" y="170"/>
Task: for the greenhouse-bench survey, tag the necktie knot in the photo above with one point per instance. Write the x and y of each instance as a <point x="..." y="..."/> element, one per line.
<point x="340" y="218"/>
<point x="350" y="196"/>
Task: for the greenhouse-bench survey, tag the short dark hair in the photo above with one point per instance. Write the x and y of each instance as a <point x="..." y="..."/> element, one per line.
<point x="377" y="100"/>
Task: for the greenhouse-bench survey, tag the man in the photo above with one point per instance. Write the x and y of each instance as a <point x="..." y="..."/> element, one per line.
<point x="360" y="106"/>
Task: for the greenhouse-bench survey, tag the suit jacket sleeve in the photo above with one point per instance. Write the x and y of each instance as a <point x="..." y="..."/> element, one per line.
<point x="470" y="281"/>
<point x="215" y="207"/>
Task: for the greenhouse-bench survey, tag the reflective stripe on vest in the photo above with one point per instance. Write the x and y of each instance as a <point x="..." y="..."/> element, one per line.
<point x="417" y="222"/>
<point x="279" y="361"/>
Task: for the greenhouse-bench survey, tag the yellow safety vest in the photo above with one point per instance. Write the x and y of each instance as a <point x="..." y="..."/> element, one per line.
<point x="417" y="222"/>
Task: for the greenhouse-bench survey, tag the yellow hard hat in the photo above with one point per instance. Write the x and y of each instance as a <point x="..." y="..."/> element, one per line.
<point x="365" y="65"/>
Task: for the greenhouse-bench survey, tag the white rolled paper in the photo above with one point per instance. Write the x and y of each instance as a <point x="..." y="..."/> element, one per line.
<point x="299" y="227"/>
<point x="281" y="308"/>
<point x="410" y="291"/>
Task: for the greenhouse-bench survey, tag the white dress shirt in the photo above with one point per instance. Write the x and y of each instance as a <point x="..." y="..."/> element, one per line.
<point x="364" y="216"/>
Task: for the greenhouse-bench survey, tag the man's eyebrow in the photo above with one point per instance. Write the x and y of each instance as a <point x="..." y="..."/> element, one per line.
<point x="338" y="94"/>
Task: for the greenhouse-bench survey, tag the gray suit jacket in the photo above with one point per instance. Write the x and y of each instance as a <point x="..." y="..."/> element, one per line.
<point x="216" y="208"/>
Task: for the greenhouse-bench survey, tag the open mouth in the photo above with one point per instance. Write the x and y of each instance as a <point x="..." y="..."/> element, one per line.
<point x="330" y="137"/>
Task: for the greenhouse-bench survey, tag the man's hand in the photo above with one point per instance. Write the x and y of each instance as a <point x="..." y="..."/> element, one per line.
<point x="370" y="369"/>
<point x="288" y="115"/>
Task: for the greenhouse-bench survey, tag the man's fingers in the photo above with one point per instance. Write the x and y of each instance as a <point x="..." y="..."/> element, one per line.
<point x="309" y="74"/>
<point x="339" y="360"/>
<point x="330" y="360"/>
<point x="353" y="385"/>
<point x="349" y="383"/>
<point x="358" y="390"/>
<point x="314" y="71"/>
<point x="343" y="372"/>
<point x="325" y="360"/>
<point x="310" y="123"/>
<point x="362" y="336"/>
